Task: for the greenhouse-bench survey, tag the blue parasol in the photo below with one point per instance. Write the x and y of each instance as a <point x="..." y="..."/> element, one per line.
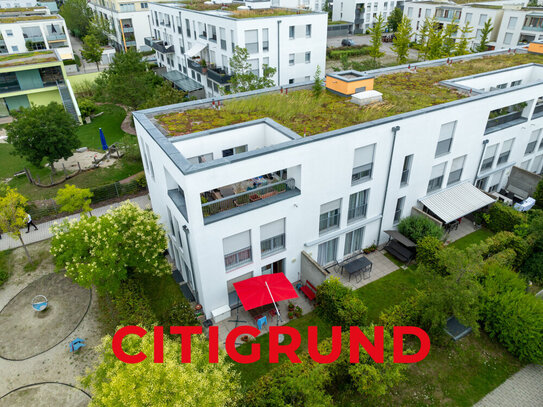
<point x="103" y="140"/>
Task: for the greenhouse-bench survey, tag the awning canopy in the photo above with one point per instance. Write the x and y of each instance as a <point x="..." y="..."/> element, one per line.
<point x="400" y="238"/>
<point x="457" y="201"/>
<point x="196" y="49"/>
<point x="255" y="292"/>
<point x="181" y="80"/>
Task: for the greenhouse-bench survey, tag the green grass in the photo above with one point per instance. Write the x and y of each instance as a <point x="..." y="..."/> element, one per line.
<point x="12" y="163"/>
<point x="163" y="292"/>
<point x="110" y="122"/>
<point x="4" y="266"/>
<point x="252" y="371"/>
<point x="473" y="238"/>
<point x="394" y="259"/>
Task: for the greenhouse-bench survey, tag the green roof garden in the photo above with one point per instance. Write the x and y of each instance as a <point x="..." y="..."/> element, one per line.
<point x="16" y="19"/>
<point x="199" y="5"/>
<point x="26" y="58"/>
<point x="304" y="114"/>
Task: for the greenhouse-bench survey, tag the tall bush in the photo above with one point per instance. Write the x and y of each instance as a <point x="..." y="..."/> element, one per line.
<point x="506" y="240"/>
<point x="428" y="251"/>
<point x="415" y="228"/>
<point x="501" y="218"/>
<point x="339" y="304"/>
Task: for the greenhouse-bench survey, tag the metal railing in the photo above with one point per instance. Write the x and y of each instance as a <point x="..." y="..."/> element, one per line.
<point x="247" y="197"/>
<point x="357" y="212"/>
<point x="218" y="75"/>
<point x="238" y="258"/>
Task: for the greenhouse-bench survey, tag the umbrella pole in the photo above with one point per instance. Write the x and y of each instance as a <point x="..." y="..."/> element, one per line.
<point x="281" y="336"/>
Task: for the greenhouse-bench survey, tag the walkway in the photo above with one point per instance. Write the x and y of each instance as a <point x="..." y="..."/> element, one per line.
<point x="523" y="389"/>
<point x="43" y="232"/>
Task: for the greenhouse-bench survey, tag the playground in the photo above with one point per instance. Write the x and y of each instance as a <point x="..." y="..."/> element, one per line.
<point x="48" y="327"/>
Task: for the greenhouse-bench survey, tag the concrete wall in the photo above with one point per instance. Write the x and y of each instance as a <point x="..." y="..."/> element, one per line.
<point x="311" y="270"/>
<point x="44" y="98"/>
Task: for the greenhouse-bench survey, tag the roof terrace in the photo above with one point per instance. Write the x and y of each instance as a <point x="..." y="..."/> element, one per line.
<point x="301" y="112"/>
<point x="26" y="58"/>
<point x="233" y="10"/>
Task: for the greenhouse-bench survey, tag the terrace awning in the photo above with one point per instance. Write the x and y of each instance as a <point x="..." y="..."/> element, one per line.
<point x="394" y="234"/>
<point x="257" y="291"/>
<point x="196" y="49"/>
<point x="456" y="202"/>
<point x="180" y="80"/>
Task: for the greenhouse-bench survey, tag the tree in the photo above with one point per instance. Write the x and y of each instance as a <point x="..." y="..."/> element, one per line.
<point x="73" y="199"/>
<point x="170" y="383"/>
<point x="485" y="34"/>
<point x="164" y="94"/>
<point x="100" y="28"/>
<point x="77" y="15"/>
<point x="317" y="85"/>
<point x="538" y="195"/>
<point x="13" y="215"/>
<point x="423" y="38"/>
<point x="434" y="45"/>
<point x="243" y="79"/>
<point x="462" y="44"/>
<point x="449" y="39"/>
<point x="400" y="44"/>
<point x="376" y="33"/>
<point x="92" y="50"/>
<point x="105" y="251"/>
<point x="128" y="80"/>
<point x="395" y="19"/>
<point x="416" y="228"/>
<point x="43" y="132"/>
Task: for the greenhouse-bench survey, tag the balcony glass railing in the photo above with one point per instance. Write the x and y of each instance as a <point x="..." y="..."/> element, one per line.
<point x="498" y="122"/>
<point x="538" y="111"/>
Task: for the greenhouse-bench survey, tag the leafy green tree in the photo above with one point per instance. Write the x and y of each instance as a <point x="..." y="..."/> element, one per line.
<point x="43" y="132"/>
<point x="317" y="84"/>
<point x="128" y="80"/>
<point x="345" y="63"/>
<point x="400" y="44"/>
<point x="423" y="38"/>
<point x="376" y="34"/>
<point x="105" y="251"/>
<point x="13" y="215"/>
<point x="461" y="47"/>
<point x="243" y="79"/>
<point x="434" y="45"/>
<point x="100" y="28"/>
<point x="538" y="195"/>
<point x="171" y="383"/>
<point x="485" y="36"/>
<point x="428" y="250"/>
<point x="164" y="94"/>
<point x="73" y="199"/>
<point x="449" y="38"/>
<point x="395" y="19"/>
<point x="77" y="15"/>
<point x="416" y="228"/>
<point x="92" y="50"/>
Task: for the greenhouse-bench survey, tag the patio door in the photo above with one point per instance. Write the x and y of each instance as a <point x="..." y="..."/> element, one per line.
<point x="275" y="267"/>
<point x="233" y="299"/>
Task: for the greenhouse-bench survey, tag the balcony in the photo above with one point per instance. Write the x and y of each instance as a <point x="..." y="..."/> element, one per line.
<point x="246" y="201"/>
<point x="56" y="37"/>
<point x="504" y="121"/>
<point x="194" y="65"/>
<point x="528" y="28"/>
<point x="218" y="75"/>
<point x="538" y="111"/>
<point x="128" y="29"/>
<point x="159" y="45"/>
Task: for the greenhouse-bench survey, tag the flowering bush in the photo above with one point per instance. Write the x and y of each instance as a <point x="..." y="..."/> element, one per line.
<point x="104" y="251"/>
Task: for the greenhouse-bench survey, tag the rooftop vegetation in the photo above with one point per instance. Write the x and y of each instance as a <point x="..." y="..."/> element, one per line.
<point x="200" y="5"/>
<point x="27" y="58"/>
<point x="21" y="9"/>
<point x="301" y="112"/>
<point x="16" y="19"/>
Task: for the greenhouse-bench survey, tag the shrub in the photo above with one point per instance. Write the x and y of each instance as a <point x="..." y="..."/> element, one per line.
<point x="132" y="305"/>
<point x="506" y="240"/>
<point x="337" y="53"/>
<point x="501" y="217"/>
<point x="181" y="314"/>
<point x="87" y="107"/>
<point x="402" y="314"/>
<point x="339" y="304"/>
<point x="3" y="276"/>
<point x="141" y="181"/>
<point x="428" y="251"/>
<point x="533" y="267"/>
<point x="538" y="195"/>
<point x="352" y="311"/>
<point x="416" y="228"/>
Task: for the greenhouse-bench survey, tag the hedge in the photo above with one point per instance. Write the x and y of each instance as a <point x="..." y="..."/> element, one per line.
<point x="339" y="304"/>
<point x="501" y="218"/>
<point x="415" y="228"/>
<point x="336" y="53"/>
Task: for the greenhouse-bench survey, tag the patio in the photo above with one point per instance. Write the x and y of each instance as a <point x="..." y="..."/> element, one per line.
<point x="464" y="228"/>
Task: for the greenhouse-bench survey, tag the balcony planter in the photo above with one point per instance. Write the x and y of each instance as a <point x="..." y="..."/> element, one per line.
<point x="254" y="198"/>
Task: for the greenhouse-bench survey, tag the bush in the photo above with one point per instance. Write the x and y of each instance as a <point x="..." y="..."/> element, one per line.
<point x="402" y="314"/>
<point x="69" y="62"/>
<point x="538" y="195"/>
<point x="428" y="251"/>
<point x="181" y="314"/>
<point x="87" y="107"/>
<point x="339" y="304"/>
<point x="141" y="181"/>
<point x="415" y="228"/>
<point x="133" y="306"/>
<point x="501" y="218"/>
<point x="533" y="267"/>
<point x="337" y="53"/>
<point x="3" y="276"/>
<point x="130" y="148"/>
<point x="505" y="240"/>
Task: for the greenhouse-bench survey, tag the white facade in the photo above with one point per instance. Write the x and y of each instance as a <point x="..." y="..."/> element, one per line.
<point x="447" y="144"/>
<point x="293" y="44"/>
<point x="314" y="5"/>
<point x="24" y="30"/>
<point x="362" y="13"/>
<point x="130" y="21"/>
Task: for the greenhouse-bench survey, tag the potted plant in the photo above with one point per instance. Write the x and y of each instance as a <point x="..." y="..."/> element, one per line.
<point x="298" y="312"/>
<point x="290" y="315"/>
<point x="203" y="63"/>
<point x="290" y="306"/>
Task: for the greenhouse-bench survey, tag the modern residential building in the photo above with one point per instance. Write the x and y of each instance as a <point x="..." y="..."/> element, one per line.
<point x="34" y="28"/>
<point x="18" y="3"/>
<point x="129" y="21"/>
<point x="242" y="195"/>
<point x="198" y="42"/>
<point x="36" y="77"/>
<point x="362" y="13"/>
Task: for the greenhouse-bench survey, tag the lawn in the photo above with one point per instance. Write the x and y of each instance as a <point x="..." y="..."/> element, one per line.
<point x="4" y="266"/>
<point x="110" y="122"/>
<point x="163" y="292"/>
<point x="473" y="238"/>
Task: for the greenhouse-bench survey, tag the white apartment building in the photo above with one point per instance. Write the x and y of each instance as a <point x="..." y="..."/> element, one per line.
<point x="33" y="29"/>
<point x="314" y="5"/>
<point x="129" y="20"/>
<point x="291" y="41"/>
<point x="361" y="13"/>
<point x="17" y="3"/>
<point x="246" y="199"/>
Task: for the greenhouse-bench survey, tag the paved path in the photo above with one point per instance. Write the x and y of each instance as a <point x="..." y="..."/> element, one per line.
<point x="523" y="389"/>
<point x="43" y="232"/>
<point x="386" y="47"/>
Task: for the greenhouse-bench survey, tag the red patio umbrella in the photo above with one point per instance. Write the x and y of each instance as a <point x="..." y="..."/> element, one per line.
<point x="257" y="291"/>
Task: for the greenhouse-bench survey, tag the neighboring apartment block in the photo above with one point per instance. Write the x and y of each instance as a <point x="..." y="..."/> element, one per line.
<point x="242" y="195"/>
<point x="129" y="21"/>
<point x="362" y="13"/>
<point x="31" y="29"/>
<point x="197" y="41"/>
<point x="36" y="77"/>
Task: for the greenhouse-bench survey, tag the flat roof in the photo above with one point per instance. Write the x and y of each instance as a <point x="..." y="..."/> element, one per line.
<point x="232" y="10"/>
<point x="16" y="19"/>
<point x="27" y="58"/>
<point x="403" y="91"/>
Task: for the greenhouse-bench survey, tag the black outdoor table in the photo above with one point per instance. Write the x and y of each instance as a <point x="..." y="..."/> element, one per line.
<point x="356" y="266"/>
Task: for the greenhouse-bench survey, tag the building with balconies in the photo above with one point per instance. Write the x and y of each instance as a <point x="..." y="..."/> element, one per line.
<point x="35" y="77"/>
<point x="362" y="13"/>
<point x="259" y="182"/>
<point x="32" y="29"/>
<point x="198" y="40"/>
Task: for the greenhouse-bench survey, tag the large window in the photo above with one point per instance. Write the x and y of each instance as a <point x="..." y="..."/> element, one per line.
<point x="506" y="151"/>
<point x="51" y="76"/>
<point x="222" y="33"/>
<point x="436" y="177"/>
<point x="291" y="32"/>
<point x="329" y="216"/>
<point x="308" y="57"/>
<point x="532" y="142"/>
<point x="536" y="165"/>
<point x="353" y="241"/>
<point x="363" y="164"/>
<point x="291" y="59"/>
<point x="406" y="169"/>
<point x="358" y="205"/>
<point x="482" y="19"/>
<point x="237" y="250"/>
<point x="233" y="299"/>
<point x="233" y="151"/>
<point x="272" y="237"/>
<point x="445" y="138"/>
<point x="508" y="38"/>
<point x="488" y="157"/>
<point x="9" y="82"/>
<point x="265" y="40"/>
<point x="399" y="209"/>
<point x="308" y="30"/>
<point x="199" y="159"/>
<point x="512" y="23"/>
<point x="327" y="252"/>
<point x="251" y="41"/>
<point x="457" y="166"/>
<point x="495" y="180"/>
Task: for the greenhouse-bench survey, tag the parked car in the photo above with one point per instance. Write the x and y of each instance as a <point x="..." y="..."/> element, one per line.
<point x="346" y="42"/>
